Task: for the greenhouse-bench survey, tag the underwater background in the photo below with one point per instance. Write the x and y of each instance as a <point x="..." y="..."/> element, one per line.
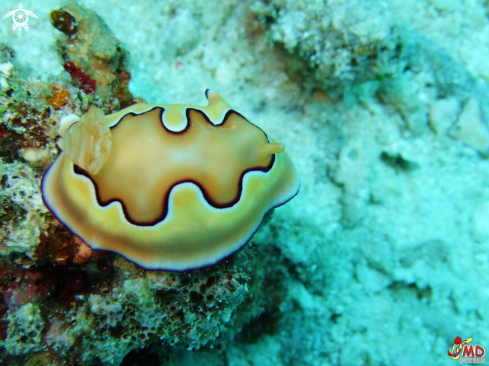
<point x="381" y="259"/>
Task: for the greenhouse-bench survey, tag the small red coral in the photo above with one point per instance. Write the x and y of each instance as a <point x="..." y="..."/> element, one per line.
<point x="79" y="78"/>
<point x="69" y="66"/>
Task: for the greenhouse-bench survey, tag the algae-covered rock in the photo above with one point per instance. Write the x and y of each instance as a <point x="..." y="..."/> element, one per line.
<point x="26" y="327"/>
<point x="94" y="57"/>
<point x="22" y="211"/>
<point x="184" y="309"/>
<point x="362" y="51"/>
<point x="345" y="43"/>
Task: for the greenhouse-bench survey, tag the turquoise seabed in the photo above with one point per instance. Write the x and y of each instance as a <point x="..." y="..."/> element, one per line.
<point x="383" y="256"/>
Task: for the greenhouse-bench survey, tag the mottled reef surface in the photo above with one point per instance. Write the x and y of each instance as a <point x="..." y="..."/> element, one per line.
<point x="381" y="259"/>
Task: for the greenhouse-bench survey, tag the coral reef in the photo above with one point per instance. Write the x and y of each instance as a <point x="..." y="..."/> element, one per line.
<point x="169" y="308"/>
<point x="126" y="309"/>
<point x="130" y="309"/>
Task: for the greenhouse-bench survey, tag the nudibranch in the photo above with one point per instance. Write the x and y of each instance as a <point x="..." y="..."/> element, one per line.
<point x="170" y="187"/>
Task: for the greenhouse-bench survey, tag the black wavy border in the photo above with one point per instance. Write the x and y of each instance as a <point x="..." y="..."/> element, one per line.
<point x="165" y="203"/>
<point x="241" y="246"/>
